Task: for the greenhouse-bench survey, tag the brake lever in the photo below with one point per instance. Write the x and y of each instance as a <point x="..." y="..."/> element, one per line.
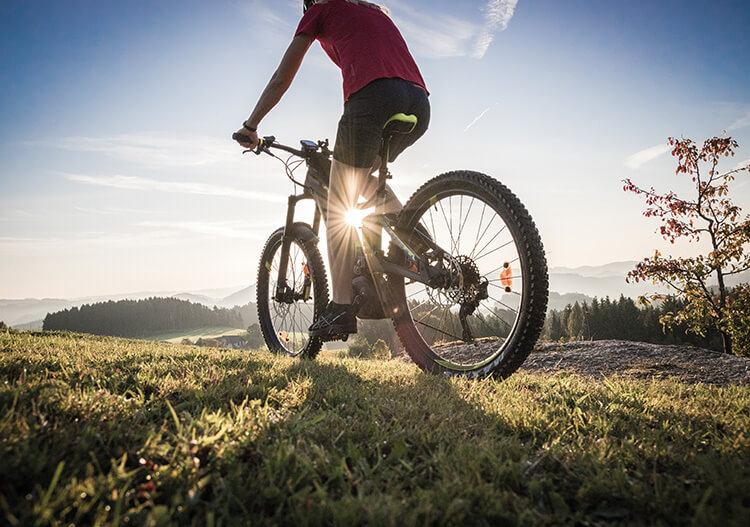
<point x="262" y="145"/>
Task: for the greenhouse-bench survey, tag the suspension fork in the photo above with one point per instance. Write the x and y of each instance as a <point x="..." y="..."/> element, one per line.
<point x="282" y="287"/>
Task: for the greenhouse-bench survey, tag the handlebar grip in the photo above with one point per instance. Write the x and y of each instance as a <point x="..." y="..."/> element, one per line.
<point x="239" y="137"/>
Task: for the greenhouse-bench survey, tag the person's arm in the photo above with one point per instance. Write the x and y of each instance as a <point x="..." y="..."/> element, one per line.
<point x="277" y="87"/>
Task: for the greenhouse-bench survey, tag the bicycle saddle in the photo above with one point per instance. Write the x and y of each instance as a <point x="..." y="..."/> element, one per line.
<point x="399" y="123"/>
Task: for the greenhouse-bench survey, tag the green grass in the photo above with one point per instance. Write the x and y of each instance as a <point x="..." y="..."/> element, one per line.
<point x="195" y="334"/>
<point x="98" y="430"/>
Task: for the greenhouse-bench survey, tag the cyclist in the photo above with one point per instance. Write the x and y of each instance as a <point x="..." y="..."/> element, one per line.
<point x="380" y="79"/>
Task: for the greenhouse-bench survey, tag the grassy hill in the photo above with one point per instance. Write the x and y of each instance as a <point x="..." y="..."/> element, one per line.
<point x="99" y="430"/>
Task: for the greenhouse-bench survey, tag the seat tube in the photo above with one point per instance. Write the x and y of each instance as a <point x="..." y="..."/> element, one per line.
<point x="373" y="237"/>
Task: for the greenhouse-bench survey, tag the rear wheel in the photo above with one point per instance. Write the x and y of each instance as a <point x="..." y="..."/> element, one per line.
<point x="285" y="315"/>
<point x="488" y="314"/>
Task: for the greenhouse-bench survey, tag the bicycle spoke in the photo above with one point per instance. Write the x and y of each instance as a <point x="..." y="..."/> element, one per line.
<point x="414" y="293"/>
<point x="460" y="216"/>
<point x="450" y="232"/>
<point x="480" y="238"/>
<point x="498" y="317"/>
<point x="503" y="279"/>
<point x="450" y="217"/>
<point x="494" y="250"/>
<point x="445" y="319"/>
<point x="481" y="319"/>
<point x="289" y="320"/>
<point x="454" y="337"/>
<point x="498" y="233"/>
<point x="515" y="311"/>
<point x="474" y="250"/>
<point x="461" y="228"/>
<point x="485" y="275"/>
<point x="481" y="221"/>
<point x="420" y="305"/>
<point x="427" y="315"/>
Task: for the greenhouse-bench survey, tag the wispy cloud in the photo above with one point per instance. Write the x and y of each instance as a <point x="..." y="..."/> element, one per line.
<point x="438" y="35"/>
<point x="106" y="211"/>
<point x="742" y="122"/>
<point x="85" y="241"/>
<point x="476" y="119"/>
<point x="267" y="18"/>
<point x="428" y="32"/>
<point x="156" y="150"/>
<point x="497" y="15"/>
<point x="639" y="159"/>
<point x="204" y="189"/>
<point x="433" y="35"/>
<point x="233" y="230"/>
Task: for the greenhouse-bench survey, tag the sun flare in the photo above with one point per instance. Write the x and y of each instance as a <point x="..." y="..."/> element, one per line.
<point x="354" y="217"/>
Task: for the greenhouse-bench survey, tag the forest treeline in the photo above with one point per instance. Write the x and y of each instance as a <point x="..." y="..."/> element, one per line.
<point x="138" y="318"/>
<point x="623" y="319"/>
<point x="620" y="319"/>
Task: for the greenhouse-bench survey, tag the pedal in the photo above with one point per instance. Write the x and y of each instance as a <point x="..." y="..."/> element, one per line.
<point x="333" y="338"/>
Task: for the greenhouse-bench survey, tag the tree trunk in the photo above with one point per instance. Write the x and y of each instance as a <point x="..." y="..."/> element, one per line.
<point x="726" y="342"/>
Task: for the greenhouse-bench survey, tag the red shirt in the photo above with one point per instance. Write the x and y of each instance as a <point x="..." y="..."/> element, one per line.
<point x="362" y="41"/>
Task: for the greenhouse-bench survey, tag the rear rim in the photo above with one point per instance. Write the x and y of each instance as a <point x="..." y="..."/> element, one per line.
<point x="289" y="319"/>
<point x="488" y="272"/>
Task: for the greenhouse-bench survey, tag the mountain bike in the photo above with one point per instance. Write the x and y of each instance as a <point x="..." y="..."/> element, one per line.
<point x="460" y="271"/>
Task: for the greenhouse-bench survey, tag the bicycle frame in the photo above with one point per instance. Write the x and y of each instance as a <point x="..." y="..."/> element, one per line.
<point x="315" y="188"/>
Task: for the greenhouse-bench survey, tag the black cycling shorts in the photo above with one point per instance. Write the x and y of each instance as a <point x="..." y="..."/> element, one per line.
<point x="360" y="131"/>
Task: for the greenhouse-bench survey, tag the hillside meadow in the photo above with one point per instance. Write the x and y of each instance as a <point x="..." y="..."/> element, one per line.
<point x="107" y="431"/>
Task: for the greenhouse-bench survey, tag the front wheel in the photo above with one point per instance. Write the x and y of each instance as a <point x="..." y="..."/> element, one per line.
<point x="285" y="315"/>
<point x="488" y="314"/>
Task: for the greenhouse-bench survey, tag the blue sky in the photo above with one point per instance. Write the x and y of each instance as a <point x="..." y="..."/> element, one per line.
<point x="117" y="174"/>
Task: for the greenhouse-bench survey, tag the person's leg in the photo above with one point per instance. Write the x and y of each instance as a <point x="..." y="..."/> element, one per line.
<point x="345" y="187"/>
<point x="358" y="141"/>
<point x="370" y="186"/>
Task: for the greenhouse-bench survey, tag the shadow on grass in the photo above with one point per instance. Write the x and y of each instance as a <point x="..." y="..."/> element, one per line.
<point x="187" y="436"/>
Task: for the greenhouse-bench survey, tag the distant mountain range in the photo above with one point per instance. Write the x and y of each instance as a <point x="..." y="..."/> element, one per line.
<point x="30" y="312"/>
<point x="567" y="285"/>
<point x="598" y="281"/>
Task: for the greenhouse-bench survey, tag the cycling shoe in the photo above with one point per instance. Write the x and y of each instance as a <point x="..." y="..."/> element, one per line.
<point x="336" y="321"/>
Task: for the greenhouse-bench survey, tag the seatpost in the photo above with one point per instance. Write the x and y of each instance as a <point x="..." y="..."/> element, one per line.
<point x="383" y="174"/>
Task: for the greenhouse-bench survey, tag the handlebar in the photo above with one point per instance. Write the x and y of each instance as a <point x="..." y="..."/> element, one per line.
<point x="268" y="142"/>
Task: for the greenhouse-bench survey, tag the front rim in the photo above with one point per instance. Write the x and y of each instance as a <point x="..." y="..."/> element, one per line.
<point x="484" y="244"/>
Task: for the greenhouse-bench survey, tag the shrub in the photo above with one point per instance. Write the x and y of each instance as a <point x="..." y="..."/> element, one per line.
<point x="360" y="348"/>
<point x="380" y="350"/>
<point x="738" y="325"/>
<point x="254" y="338"/>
